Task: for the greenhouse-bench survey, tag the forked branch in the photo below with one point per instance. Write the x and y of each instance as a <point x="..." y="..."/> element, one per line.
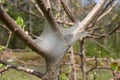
<point x="93" y="13"/>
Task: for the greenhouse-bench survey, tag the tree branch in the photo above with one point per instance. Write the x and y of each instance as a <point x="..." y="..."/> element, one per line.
<point x="3" y="26"/>
<point x="11" y="24"/>
<point x="37" y="7"/>
<point x="109" y="9"/>
<point x="97" y="35"/>
<point x="68" y="11"/>
<point x="49" y="16"/>
<point x="23" y="10"/>
<point x="24" y="69"/>
<point x="93" y="13"/>
<point x="79" y="32"/>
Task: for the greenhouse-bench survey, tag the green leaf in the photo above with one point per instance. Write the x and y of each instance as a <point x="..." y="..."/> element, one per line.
<point x="1" y="65"/>
<point x="67" y="71"/>
<point x="2" y="48"/>
<point x="114" y="65"/>
<point x="65" y="26"/>
<point x="63" y="77"/>
<point x="20" y="21"/>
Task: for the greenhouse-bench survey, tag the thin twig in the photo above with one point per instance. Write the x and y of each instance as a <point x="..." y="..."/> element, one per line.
<point x="23" y="10"/>
<point x="108" y="11"/>
<point x="101" y="14"/>
<point x="83" y="60"/>
<point x="24" y="69"/>
<point x="8" y="41"/>
<point x="68" y="11"/>
<point x="98" y="68"/>
<point x="37" y="7"/>
<point x="3" y="26"/>
<point x="97" y="36"/>
<point x="73" y="63"/>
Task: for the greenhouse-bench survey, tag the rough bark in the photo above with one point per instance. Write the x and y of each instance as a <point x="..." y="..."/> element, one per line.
<point x="52" y="72"/>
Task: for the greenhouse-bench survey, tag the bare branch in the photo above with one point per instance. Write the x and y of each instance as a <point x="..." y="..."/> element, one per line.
<point x="49" y="16"/>
<point x="98" y="68"/>
<point x="64" y="22"/>
<point x="72" y="57"/>
<point x="79" y="32"/>
<point x="8" y="40"/>
<point x="23" y="10"/>
<point x="108" y="24"/>
<point x="24" y="69"/>
<point x="11" y="24"/>
<point x="68" y="11"/>
<point x="49" y="5"/>
<point x="83" y="59"/>
<point x="109" y="6"/>
<point x="96" y="35"/>
<point x="3" y="26"/>
<point x="93" y="13"/>
<point x="114" y="30"/>
<point x="7" y="67"/>
<point x="106" y="12"/>
<point x="37" y="7"/>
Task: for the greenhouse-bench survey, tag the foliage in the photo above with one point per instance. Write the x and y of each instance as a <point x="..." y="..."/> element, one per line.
<point x="115" y="66"/>
<point x="2" y="48"/>
<point x="63" y="77"/>
<point x="20" y="21"/>
<point x="1" y="65"/>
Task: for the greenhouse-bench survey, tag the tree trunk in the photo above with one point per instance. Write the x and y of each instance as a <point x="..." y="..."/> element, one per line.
<point x="52" y="71"/>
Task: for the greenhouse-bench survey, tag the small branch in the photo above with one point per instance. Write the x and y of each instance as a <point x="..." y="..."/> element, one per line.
<point x="114" y="30"/>
<point x="83" y="60"/>
<point x="64" y="22"/>
<point x="73" y="63"/>
<point x="49" y="5"/>
<point x="7" y="67"/>
<point x="88" y="20"/>
<point x="108" y="24"/>
<point x="99" y="68"/>
<point x="106" y="12"/>
<point x="68" y="11"/>
<point x="23" y="10"/>
<point x="96" y="65"/>
<point x="3" y="26"/>
<point x="96" y="35"/>
<point x="8" y="41"/>
<point x="49" y="16"/>
<point x="11" y="24"/>
<point x="92" y="14"/>
<point x="37" y="7"/>
<point x="24" y="69"/>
